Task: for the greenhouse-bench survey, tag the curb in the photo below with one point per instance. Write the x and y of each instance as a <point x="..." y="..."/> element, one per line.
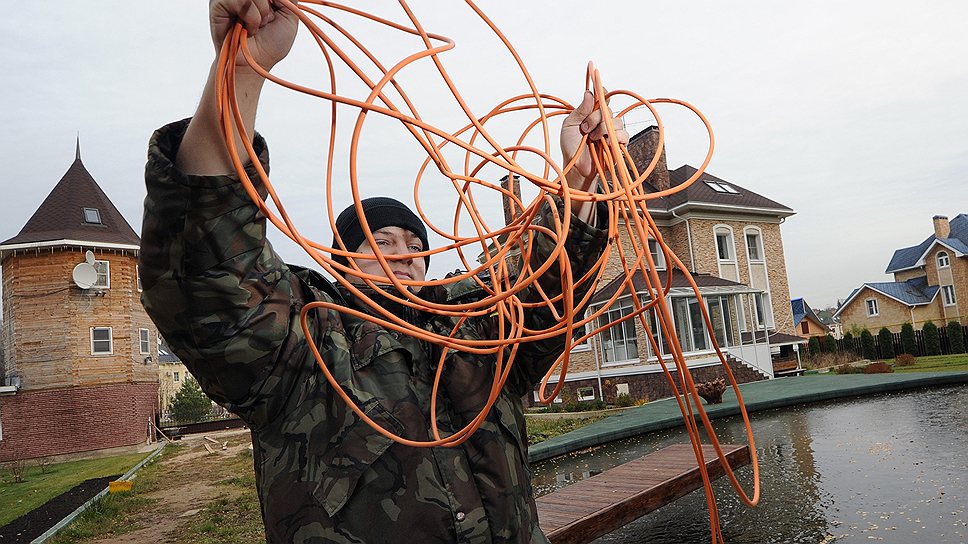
<point x="73" y="515"/>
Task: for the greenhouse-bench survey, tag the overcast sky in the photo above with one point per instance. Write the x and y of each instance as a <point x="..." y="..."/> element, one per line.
<point x="853" y="114"/>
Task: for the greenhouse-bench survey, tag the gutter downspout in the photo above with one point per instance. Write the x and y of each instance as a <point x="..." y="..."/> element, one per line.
<point x="692" y="256"/>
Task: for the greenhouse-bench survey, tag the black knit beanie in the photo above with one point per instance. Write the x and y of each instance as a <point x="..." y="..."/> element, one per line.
<point x="380" y="212"/>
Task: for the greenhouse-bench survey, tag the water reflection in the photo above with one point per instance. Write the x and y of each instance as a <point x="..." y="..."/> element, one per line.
<point x="890" y="468"/>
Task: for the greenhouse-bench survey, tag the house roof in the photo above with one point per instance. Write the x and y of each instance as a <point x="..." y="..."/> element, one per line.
<point x="61" y="215"/>
<point x="909" y="257"/>
<point x="802" y="310"/>
<point x="703" y="192"/>
<point x="913" y="292"/>
<point x="775" y="338"/>
<point x="705" y="282"/>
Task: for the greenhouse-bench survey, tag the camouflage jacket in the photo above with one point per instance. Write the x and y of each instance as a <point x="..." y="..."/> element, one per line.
<point x="229" y="308"/>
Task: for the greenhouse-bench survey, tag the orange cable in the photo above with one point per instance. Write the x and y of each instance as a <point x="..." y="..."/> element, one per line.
<point x="623" y="192"/>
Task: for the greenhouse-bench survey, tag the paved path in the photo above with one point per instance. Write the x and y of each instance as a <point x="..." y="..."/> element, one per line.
<point x="763" y="395"/>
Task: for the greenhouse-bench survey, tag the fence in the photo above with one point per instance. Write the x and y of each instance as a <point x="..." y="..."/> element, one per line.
<point x="854" y="344"/>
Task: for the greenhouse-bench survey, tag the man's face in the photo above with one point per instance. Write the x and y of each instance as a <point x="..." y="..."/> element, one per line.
<point x="395" y="241"/>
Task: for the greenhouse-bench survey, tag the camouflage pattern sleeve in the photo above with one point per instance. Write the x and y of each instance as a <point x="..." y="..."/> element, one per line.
<point x="584" y="245"/>
<point x="213" y="285"/>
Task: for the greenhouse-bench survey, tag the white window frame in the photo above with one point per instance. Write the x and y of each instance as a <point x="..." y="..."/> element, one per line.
<point x="731" y="246"/>
<point x="144" y="341"/>
<point x="556" y="401"/>
<point x="871" y="305"/>
<point x="581" y="397"/>
<point x="721" y="187"/>
<point x="657" y="255"/>
<point x="104" y="283"/>
<point x="177" y="376"/>
<point x="943" y="260"/>
<point x="110" y="341"/>
<point x="686" y="328"/>
<point x="948" y="292"/>
<point x="621" y="308"/>
<point x="752" y="231"/>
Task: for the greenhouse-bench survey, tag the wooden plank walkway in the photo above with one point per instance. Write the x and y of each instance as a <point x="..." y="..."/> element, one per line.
<point x="586" y="510"/>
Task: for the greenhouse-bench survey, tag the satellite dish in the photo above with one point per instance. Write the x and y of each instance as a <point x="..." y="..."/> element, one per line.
<point x="84" y="275"/>
<point x="89" y="257"/>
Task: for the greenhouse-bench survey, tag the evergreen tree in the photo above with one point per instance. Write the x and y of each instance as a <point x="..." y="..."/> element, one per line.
<point x="956" y="337"/>
<point x="190" y="403"/>
<point x="813" y="346"/>
<point x="867" y="345"/>
<point x="885" y="343"/>
<point x="848" y="341"/>
<point x="909" y="343"/>
<point x="829" y="344"/>
<point x="932" y="339"/>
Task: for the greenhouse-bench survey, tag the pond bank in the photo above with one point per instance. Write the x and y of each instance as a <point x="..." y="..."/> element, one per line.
<point x="764" y="395"/>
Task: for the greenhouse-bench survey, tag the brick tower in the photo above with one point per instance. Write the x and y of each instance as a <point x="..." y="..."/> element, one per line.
<point x="79" y="370"/>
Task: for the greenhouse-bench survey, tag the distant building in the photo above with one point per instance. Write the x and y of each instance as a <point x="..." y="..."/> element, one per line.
<point x="806" y="321"/>
<point x="81" y="370"/>
<point x="930" y="284"/>
<point x="729" y="238"/>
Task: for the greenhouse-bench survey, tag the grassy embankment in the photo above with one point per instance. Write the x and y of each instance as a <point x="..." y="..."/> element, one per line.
<point x="42" y="483"/>
<point x="937" y="363"/>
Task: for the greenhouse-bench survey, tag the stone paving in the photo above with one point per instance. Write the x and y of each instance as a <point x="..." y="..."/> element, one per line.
<point x="763" y="395"/>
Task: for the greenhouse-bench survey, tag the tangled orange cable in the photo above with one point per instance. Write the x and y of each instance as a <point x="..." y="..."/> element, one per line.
<point x="623" y="193"/>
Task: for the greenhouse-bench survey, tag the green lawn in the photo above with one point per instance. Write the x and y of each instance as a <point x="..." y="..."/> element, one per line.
<point x="16" y="499"/>
<point x="937" y="363"/>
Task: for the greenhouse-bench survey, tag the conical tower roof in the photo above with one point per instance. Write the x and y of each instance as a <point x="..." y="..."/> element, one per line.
<point x="76" y="210"/>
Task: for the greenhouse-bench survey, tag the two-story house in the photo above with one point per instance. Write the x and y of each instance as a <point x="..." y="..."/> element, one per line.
<point x="81" y="368"/>
<point x="930" y="283"/>
<point x="729" y="239"/>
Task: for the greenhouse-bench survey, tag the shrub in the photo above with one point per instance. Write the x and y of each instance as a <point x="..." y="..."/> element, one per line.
<point x="932" y="339"/>
<point x="813" y="346"/>
<point x="624" y="400"/>
<point x="585" y="406"/>
<point x="848" y="341"/>
<point x="905" y="359"/>
<point x="879" y="367"/>
<point x="190" y="404"/>
<point x="829" y="344"/>
<point x="867" y="345"/>
<point x="956" y="337"/>
<point x="885" y="341"/>
<point x="848" y="369"/>
<point x="909" y="343"/>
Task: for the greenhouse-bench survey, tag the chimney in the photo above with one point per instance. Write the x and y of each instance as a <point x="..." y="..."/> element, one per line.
<point x="511" y="210"/>
<point x="941" y="226"/>
<point x="642" y="148"/>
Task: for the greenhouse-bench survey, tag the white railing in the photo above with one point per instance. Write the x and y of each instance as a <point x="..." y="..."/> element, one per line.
<point x="755" y="355"/>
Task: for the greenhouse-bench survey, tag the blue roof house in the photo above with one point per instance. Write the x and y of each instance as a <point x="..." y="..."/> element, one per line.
<point x="930" y="283"/>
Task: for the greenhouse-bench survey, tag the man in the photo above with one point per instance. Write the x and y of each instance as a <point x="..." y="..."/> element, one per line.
<point x="229" y="307"/>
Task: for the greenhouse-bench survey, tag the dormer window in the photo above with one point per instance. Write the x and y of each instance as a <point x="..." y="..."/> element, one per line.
<point x="721" y="187"/>
<point x="92" y="216"/>
<point x="943" y="259"/>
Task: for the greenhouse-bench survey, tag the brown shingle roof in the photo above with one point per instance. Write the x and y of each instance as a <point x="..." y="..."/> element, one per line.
<point x="701" y="192"/>
<point x="678" y="281"/>
<point x="61" y="215"/>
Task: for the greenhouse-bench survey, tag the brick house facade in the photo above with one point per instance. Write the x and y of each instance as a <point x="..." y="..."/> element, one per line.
<point x="729" y="239"/>
<point x="930" y="284"/>
<point x="81" y="368"/>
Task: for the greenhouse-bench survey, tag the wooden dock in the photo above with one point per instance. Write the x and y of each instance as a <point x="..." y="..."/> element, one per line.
<point x="586" y="510"/>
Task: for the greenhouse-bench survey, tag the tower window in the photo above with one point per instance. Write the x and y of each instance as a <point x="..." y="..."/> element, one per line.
<point x="92" y="215"/>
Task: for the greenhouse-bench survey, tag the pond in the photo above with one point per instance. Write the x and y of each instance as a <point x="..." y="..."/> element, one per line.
<point x="889" y="468"/>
